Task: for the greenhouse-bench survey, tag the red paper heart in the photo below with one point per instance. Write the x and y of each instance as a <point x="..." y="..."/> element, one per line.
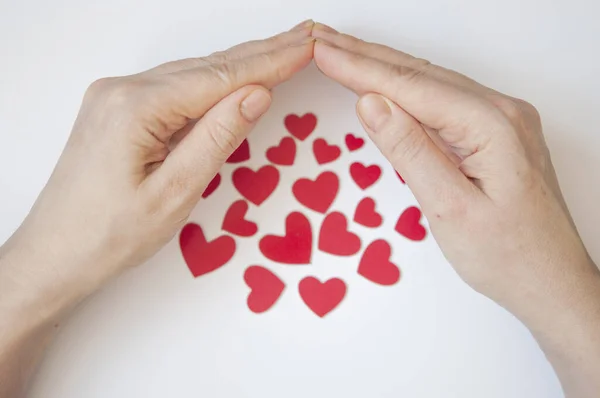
<point x="400" y="177"/>
<point x="353" y="143"/>
<point x="409" y="226"/>
<point x="319" y="194"/>
<point x="241" y="154"/>
<point x="301" y="127"/>
<point x="265" y="287"/>
<point x="256" y="186"/>
<point x="284" y="154"/>
<point x="335" y="238"/>
<point x="212" y="186"/>
<point x="320" y="297"/>
<point x="366" y="215"/>
<point x="202" y="256"/>
<point x="293" y="248"/>
<point x="364" y="176"/>
<point x="375" y="265"/>
<point x="234" y="221"/>
<point x="325" y="153"/>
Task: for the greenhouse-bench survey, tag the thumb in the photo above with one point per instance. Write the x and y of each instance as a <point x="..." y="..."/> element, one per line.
<point x="199" y="156"/>
<point x="431" y="175"/>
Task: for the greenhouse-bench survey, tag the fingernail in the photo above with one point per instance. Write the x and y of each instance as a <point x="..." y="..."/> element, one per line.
<point x="325" y="28"/>
<point x="303" y="25"/>
<point x="255" y="105"/>
<point x="374" y="111"/>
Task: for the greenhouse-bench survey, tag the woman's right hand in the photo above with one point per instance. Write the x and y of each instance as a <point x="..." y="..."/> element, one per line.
<point x="477" y="162"/>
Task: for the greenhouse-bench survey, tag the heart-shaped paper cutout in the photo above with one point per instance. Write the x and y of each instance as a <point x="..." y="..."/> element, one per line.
<point x="334" y="237"/>
<point x="325" y="153"/>
<point x="317" y="195"/>
<point x="235" y="223"/>
<point x="364" y="176"/>
<point x="212" y="186"/>
<point x="321" y="297"/>
<point x="409" y="225"/>
<point x="256" y="186"/>
<point x="366" y="215"/>
<point x="202" y="256"/>
<point x="293" y="248"/>
<point x="241" y="154"/>
<point x="283" y="154"/>
<point x="400" y="177"/>
<point x="353" y="143"/>
<point x="301" y="127"/>
<point x="266" y="288"/>
<point x="375" y="265"/>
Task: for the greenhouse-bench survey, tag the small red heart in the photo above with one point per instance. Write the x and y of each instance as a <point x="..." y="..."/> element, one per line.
<point x="234" y="221"/>
<point x="293" y="248"/>
<point x="325" y="153"/>
<point x="256" y="186"/>
<point x="301" y="127"/>
<point x="284" y="154"/>
<point x="265" y="287"/>
<point x="400" y="177"/>
<point x="335" y="238"/>
<point x="321" y="297"/>
<point x="364" y="176"/>
<point x="212" y="186"/>
<point x="366" y="215"/>
<point x="202" y="256"/>
<point x="353" y="143"/>
<point x="376" y="266"/>
<point x="409" y="226"/>
<point x="319" y="194"/>
<point x="241" y="154"/>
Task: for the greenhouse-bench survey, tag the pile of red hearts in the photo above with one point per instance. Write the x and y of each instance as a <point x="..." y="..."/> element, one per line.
<point x="296" y="246"/>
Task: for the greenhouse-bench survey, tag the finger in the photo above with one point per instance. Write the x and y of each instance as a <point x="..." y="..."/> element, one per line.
<point x="189" y="168"/>
<point x="393" y="56"/>
<point x="186" y="95"/>
<point x="289" y="38"/>
<point x="462" y="118"/>
<point x="435" y="180"/>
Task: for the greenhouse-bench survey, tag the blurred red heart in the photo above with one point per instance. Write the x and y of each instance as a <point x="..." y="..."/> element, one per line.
<point x="301" y="127"/>
<point x="256" y="186"/>
<point x="293" y="248"/>
<point x="409" y="226"/>
<point x="265" y="287"/>
<point x="376" y="266"/>
<point x="325" y="153"/>
<point x="212" y="186"/>
<point x="364" y="176"/>
<point x="202" y="256"/>
<point x="353" y="143"/>
<point x="241" y="154"/>
<point x="319" y="194"/>
<point x="234" y="221"/>
<point x="366" y="215"/>
<point x="335" y="238"/>
<point x="321" y="297"/>
<point x="283" y="154"/>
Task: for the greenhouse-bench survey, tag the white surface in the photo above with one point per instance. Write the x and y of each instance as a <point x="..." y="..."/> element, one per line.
<point x="158" y="332"/>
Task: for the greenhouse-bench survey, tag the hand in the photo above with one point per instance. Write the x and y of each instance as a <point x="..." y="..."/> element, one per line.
<point x="477" y="163"/>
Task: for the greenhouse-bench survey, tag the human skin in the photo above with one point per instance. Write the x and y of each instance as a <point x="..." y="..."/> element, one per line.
<point x="144" y="148"/>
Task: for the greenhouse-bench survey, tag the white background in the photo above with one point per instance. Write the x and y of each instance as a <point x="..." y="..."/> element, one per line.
<point x="157" y="332"/>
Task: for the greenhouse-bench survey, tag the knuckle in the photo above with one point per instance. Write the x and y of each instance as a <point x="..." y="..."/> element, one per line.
<point x="224" y="137"/>
<point x="511" y="109"/>
<point x="408" y="145"/>
<point x="100" y="86"/>
<point x="420" y="63"/>
<point x="408" y="73"/>
<point x="223" y="71"/>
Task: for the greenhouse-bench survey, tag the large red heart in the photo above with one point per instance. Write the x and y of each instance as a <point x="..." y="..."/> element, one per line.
<point x="256" y="186"/>
<point x="335" y="238"/>
<point x="241" y="154"/>
<point x="325" y="153"/>
<point x="301" y="127"/>
<point x="284" y="154"/>
<point x="202" y="256"/>
<point x="364" y="176"/>
<point x="265" y="287"/>
<point x="320" y="297"/>
<point x="293" y="248"/>
<point x="317" y="195"/>
<point x="353" y="143"/>
<point x="408" y="224"/>
<point x="376" y="266"/>
<point x="234" y="221"/>
<point x="212" y="186"/>
<point x="366" y="215"/>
